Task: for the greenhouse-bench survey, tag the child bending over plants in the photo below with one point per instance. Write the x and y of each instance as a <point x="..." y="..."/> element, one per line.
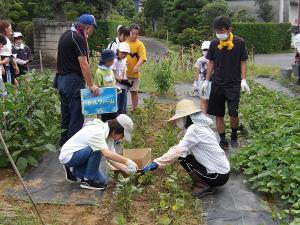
<point x="82" y="153"/>
<point x="198" y="151"/>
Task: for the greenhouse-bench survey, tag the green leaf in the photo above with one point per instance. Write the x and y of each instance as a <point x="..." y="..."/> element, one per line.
<point x="51" y="147"/>
<point x="32" y="161"/>
<point x="165" y="220"/>
<point x="22" y="164"/>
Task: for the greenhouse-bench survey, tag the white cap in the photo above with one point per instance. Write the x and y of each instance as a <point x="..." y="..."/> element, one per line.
<point x="123" y="47"/>
<point x="127" y="124"/>
<point x="205" y="45"/>
<point x="118" y="27"/>
<point x="18" y="34"/>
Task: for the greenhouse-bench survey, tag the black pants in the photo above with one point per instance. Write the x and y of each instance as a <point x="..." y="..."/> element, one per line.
<point x="72" y="118"/>
<point x="190" y="164"/>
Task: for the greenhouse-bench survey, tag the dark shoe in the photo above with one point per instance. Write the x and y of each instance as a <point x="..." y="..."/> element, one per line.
<point x="92" y="185"/>
<point x="200" y="190"/>
<point x="234" y="143"/>
<point x="224" y="144"/>
<point x="69" y="176"/>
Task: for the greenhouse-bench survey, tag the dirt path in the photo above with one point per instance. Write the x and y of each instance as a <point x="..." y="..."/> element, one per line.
<point x="154" y="47"/>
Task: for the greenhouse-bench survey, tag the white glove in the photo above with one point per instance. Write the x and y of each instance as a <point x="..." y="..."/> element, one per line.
<point x="245" y="86"/>
<point x="204" y="87"/>
<point x="131" y="166"/>
<point x="195" y="86"/>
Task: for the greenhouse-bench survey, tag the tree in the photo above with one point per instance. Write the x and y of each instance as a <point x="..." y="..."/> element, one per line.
<point x="210" y="11"/>
<point x="265" y="11"/>
<point x="185" y="14"/>
<point x="242" y="16"/>
<point x="126" y="8"/>
<point x="154" y="10"/>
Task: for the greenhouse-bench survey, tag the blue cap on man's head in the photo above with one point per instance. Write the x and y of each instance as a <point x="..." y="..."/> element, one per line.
<point x="87" y="19"/>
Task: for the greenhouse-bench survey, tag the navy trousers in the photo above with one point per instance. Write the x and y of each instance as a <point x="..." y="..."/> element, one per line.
<point x="72" y="118"/>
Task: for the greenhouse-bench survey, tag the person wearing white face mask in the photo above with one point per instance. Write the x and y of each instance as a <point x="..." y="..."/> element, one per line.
<point x="198" y="151"/>
<point x="200" y="75"/>
<point x="226" y="69"/>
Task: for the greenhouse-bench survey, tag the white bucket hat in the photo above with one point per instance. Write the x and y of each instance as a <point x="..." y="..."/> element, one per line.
<point x="124" y="47"/>
<point x="184" y="108"/>
<point x="127" y="124"/>
<point x="205" y="45"/>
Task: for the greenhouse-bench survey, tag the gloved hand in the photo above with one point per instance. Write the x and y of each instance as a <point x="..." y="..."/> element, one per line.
<point x="150" y="167"/>
<point x="204" y="87"/>
<point x="131" y="166"/>
<point x="195" y="86"/>
<point x="126" y="83"/>
<point x="245" y="86"/>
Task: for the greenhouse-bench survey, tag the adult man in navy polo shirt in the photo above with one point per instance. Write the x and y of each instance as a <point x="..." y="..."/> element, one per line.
<point x="73" y="72"/>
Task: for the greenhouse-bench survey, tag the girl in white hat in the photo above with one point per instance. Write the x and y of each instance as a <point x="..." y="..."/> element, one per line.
<point x="120" y="71"/>
<point x="82" y="153"/>
<point x="200" y="75"/>
<point x="198" y="151"/>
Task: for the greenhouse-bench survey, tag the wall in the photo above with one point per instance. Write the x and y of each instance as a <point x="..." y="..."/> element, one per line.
<point x="46" y="35"/>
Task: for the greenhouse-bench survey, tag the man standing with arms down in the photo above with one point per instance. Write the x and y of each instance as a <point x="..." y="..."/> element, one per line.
<point x="227" y="57"/>
<point x="73" y="72"/>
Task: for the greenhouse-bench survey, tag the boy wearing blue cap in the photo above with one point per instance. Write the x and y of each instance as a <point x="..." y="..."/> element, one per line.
<point x="104" y="76"/>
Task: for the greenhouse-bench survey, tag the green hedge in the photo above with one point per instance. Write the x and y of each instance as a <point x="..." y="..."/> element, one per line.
<point x="264" y="37"/>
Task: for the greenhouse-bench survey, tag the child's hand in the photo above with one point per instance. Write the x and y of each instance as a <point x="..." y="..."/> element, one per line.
<point x="5" y="61"/>
<point x="136" y="69"/>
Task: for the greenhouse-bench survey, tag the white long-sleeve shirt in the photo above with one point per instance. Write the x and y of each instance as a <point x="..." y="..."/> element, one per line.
<point x="201" y="142"/>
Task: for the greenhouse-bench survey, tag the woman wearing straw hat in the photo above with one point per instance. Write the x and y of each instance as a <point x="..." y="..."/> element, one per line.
<point x="198" y="151"/>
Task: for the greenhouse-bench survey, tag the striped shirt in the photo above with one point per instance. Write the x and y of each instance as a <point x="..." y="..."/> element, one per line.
<point x="201" y="142"/>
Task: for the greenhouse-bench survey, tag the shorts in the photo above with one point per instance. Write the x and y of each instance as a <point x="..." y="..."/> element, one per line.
<point x="207" y="94"/>
<point x="136" y="84"/>
<point x="220" y="95"/>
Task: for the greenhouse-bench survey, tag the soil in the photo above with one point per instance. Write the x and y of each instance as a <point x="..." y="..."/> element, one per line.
<point x="21" y="212"/>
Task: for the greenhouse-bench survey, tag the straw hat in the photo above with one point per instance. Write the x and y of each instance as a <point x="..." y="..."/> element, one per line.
<point x="184" y="108"/>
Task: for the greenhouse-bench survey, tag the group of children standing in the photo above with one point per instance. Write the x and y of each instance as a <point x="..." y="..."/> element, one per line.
<point x="112" y="69"/>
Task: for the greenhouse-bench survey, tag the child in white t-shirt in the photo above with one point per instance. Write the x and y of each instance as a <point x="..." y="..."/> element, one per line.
<point x="200" y="75"/>
<point x="120" y="71"/>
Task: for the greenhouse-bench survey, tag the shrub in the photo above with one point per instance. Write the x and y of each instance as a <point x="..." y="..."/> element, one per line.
<point x="264" y="37"/>
<point x="163" y="76"/>
<point x="188" y="37"/>
<point x="30" y="121"/>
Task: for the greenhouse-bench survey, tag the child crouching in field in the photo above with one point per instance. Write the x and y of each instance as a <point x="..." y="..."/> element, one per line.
<point x="104" y="76"/>
<point x="200" y="75"/>
<point x="120" y="71"/>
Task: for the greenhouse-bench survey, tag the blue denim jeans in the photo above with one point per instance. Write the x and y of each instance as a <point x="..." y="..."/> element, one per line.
<point x="85" y="163"/>
<point x="122" y="102"/>
<point x="71" y="115"/>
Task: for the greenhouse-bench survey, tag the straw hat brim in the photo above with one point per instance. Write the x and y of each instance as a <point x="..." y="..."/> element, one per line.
<point x="183" y="114"/>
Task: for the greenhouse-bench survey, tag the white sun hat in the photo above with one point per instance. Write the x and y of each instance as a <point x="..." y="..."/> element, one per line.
<point x="18" y="34"/>
<point x="123" y="47"/>
<point x="185" y="108"/>
<point x="205" y="45"/>
<point x="127" y="124"/>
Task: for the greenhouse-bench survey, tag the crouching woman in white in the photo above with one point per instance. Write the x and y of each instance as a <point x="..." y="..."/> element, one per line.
<point x="82" y="153"/>
<point x="199" y="152"/>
